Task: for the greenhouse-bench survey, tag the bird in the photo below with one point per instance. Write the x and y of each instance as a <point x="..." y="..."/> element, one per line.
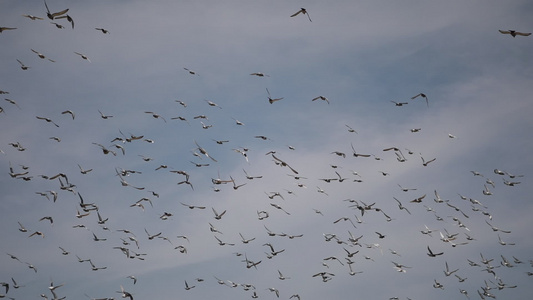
<point x="7" y="28"/>
<point x="204" y="152"/>
<point x="211" y="103"/>
<point x="69" y="112"/>
<point x="218" y="216"/>
<point x="47" y="218"/>
<point x="350" y="129"/>
<point x="190" y="71"/>
<point x="41" y="56"/>
<point x="12" y="102"/>
<point x="69" y="18"/>
<point x="83" y="56"/>
<point x="355" y="154"/>
<point x="302" y="11"/>
<point x="32" y="17"/>
<point x="259" y="74"/>
<point x="281" y="277"/>
<point x="447" y="272"/>
<point x="399" y="103"/>
<point x="192" y="206"/>
<point x="132" y="277"/>
<point x="47" y="120"/>
<point x="23" y="66"/>
<point x="423" y="96"/>
<point x="245" y="241"/>
<point x="400" y="206"/>
<point x="97" y="239"/>
<point x="431" y="254"/>
<point x="188" y="287"/>
<point x="156" y="116"/>
<point x="50" y="15"/>
<point x="321" y="98"/>
<point x="104" y="31"/>
<point x="438" y="285"/>
<point x="105" y="117"/>
<point x="57" y="25"/>
<point x="124" y="293"/>
<point x="406" y="189"/>
<point x="274" y="290"/>
<point x="272" y="100"/>
<point x="514" y="33"/>
<point x="84" y="172"/>
<point x="284" y="164"/>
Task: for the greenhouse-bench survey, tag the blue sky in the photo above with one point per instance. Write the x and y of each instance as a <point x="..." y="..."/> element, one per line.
<point x="361" y="56"/>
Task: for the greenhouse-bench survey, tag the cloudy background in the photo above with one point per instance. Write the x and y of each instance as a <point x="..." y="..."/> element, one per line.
<point x="361" y="56"/>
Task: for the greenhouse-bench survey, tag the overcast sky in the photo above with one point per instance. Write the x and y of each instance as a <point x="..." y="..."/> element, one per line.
<point x="361" y="56"/>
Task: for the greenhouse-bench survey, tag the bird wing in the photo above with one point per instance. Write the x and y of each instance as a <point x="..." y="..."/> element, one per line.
<point x="297" y="13"/>
<point x="59" y="13"/>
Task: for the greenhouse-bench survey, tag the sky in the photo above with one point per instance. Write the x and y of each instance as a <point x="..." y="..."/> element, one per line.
<point x="362" y="56"/>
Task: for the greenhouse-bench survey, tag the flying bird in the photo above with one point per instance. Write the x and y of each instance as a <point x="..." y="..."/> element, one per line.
<point x="302" y="11"/>
<point x="514" y="33"/>
<point x="72" y="114"/>
<point x="190" y="71"/>
<point x="423" y="96"/>
<point x="104" y="31"/>
<point x="321" y="98"/>
<point x="22" y="66"/>
<point x="69" y="18"/>
<point x="7" y="28"/>
<point x="83" y="56"/>
<point x="57" y="25"/>
<point x="259" y="74"/>
<point x="41" y="56"/>
<point x="33" y="17"/>
<point x="431" y="254"/>
<point x="272" y="100"/>
<point x="47" y="120"/>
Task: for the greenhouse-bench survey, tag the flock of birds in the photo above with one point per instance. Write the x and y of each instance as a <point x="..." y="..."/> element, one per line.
<point x="354" y="242"/>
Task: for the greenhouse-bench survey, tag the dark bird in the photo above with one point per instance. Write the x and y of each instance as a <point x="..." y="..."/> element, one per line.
<point x="399" y="103"/>
<point x="423" y="96"/>
<point x="104" y="31"/>
<point x="320" y="97"/>
<point x="69" y="18"/>
<point x="6" y="28"/>
<point x="431" y="254"/>
<point x="514" y="33"/>
<point x="302" y="11"/>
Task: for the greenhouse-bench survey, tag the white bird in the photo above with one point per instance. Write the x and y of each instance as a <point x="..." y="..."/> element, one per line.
<point x="72" y="114"/>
